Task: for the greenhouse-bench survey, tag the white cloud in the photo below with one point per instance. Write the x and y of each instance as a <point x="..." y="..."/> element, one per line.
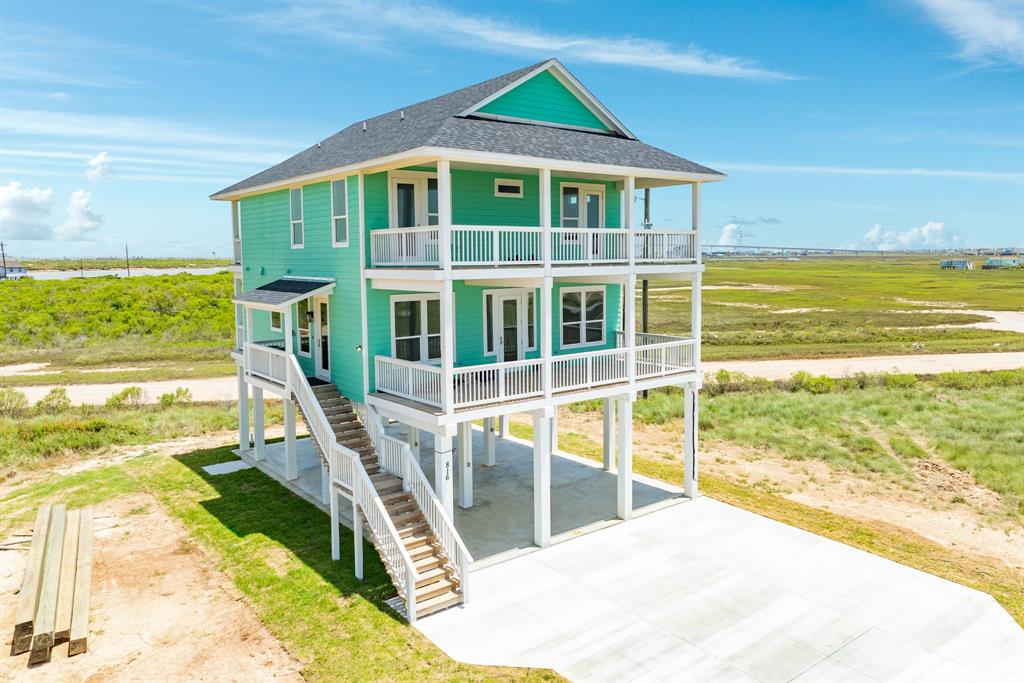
<point x="1001" y="176"/>
<point x="378" y="24"/>
<point x="990" y="32"/>
<point x="730" y="234"/>
<point x="82" y="217"/>
<point x="98" y="167"/>
<point x="931" y="235"/>
<point x="24" y="211"/>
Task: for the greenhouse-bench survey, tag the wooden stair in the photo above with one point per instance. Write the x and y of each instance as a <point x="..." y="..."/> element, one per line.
<point x="437" y="587"/>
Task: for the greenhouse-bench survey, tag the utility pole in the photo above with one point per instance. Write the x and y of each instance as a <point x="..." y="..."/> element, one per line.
<point x="643" y="287"/>
<point x="3" y="255"/>
<point x="81" y="267"/>
<point x="127" y="264"/>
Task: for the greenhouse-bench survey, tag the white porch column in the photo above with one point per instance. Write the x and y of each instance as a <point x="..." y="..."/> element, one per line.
<point x="465" y="453"/>
<point x="246" y="354"/>
<point x="243" y="411"/>
<point x="545" y="216"/>
<point x="545" y="337"/>
<point x="259" y="442"/>
<point x="625" y="478"/>
<point x="447" y="346"/>
<point x="629" y="325"/>
<point x="335" y="530"/>
<point x="628" y="215"/>
<point x="609" y="434"/>
<point x="444" y="212"/>
<point x="695" y="217"/>
<point x="541" y="478"/>
<point x="357" y="530"/>
<point x="554" y="430"/>
<point x="695" y="321"/>
<point x="325" y="484"/>
<point x="690" y="442"/>
<point x="288" y="330"/>
<point x="443" y="470"/>
<point x="503" y="425"/>
<point x="489" y="439"/>
<point x="414" y="443"/>
<point x="291" y="454"/>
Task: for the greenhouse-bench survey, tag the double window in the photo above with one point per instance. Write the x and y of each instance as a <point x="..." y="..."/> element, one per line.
<point x="296" y="214"/>
<point x="583" y="311"/>
<point x="339" y="212"/>
<point x="416" y="327"/>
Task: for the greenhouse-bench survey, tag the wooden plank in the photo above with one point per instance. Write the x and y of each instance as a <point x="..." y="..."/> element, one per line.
<point x="83" y="583"/>
<point x="68" y="566"/>
<point x="46" y="609"/>
<point x="29" y="594"/>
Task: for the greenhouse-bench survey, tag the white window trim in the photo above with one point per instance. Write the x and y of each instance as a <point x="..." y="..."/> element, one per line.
<point x="301" y="221"/>
<point x="583" y="316"/>
<point x="508" y="181"/>
<point x="299" y="323"/>
<point x="424" y="336"/>
<point x="280" y="320"/>
<point x="582" y="187"/>
<point x="335" y="215"/>
<point x="536" y="316"/>
<point x="419" y="178"/>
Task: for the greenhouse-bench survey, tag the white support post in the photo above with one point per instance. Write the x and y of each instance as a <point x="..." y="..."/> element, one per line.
<point x="628" y="189"/>
<point x="465" y="453"/>
<point x="243" y="411"/>
<point x="690" y="488"/>
<point x="503" y="426"/>
<point x="489" y="439"/>
<point x="357" y="530"/>
<point x="325" y="484"/>
<point x="247" y="355"/>
<point x="695" y="321"/>
<point x="447" y="346"/>
<point x="625" y="477"/>
<point x="443" y="471"/>
<point x="414" y="443"/>
<point x="444" y="213"/>
<point x="541" y="478"/>
<point x="545" y="339"/>
<point x="288" y="331"/>
<point x="554" y="430"/>
<point x="629" y="325"/>
<point x="545" y="217"/>
<point x="695" y="217"/>
<point x="258" y="440"/>
<point x="291" y="455"/>
<point x="335" y="530"/>
<point x="609" y="434"/>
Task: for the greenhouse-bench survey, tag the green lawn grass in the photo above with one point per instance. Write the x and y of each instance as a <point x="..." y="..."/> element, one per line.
<point x="335" y="625"/>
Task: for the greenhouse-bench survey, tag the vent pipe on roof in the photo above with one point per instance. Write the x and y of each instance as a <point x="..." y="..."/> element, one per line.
<point x="403" y="115"/>
<point x="364" y="126"/>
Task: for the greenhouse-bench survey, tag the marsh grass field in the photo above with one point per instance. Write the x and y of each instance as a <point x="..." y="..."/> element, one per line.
<point x="181" y="326"/>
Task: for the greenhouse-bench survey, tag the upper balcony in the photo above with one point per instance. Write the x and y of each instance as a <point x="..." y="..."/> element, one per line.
<point x="474" y="246"/>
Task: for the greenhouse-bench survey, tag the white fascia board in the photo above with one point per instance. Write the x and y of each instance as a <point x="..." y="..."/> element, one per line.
<point x="402" y="284"/>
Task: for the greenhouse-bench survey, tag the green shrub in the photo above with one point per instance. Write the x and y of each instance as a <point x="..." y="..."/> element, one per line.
<point x="899" y="380"/>
<point x="12" y="402"/>
<point x="180" y="396"/>
<point x="815" y="384"/>
<point x="55" y="401"/>
<point x="129" y="397"/>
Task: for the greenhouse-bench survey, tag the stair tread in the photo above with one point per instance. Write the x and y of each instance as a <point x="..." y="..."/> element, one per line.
<point x="437" y="603"/>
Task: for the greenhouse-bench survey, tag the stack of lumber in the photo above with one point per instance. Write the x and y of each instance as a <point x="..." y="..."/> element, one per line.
<point x="53" y="605"/>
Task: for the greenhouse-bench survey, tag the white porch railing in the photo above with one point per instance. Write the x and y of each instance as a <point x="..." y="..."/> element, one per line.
<point x="266" y="362"/>
<point x="667" y="358"/>
<point x="496" y="245"/>
<point x="416" y="381"/>
<point x="396" y="457"/>
<point x="585" y="370"/>
<point x="481" y="384"/>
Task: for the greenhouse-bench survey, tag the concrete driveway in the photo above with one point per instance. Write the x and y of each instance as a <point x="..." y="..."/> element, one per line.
<point x="703" y="591"/>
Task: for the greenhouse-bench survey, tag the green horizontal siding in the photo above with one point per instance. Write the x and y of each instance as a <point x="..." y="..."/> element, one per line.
<point x="544" y="98"/>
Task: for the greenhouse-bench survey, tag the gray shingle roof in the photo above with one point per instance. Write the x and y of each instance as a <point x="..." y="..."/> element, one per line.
<point x="281" y="292"/>
<point x="436" y="123"/>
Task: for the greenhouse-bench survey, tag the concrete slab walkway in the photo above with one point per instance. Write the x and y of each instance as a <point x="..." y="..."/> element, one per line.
<point x="703" y="591"/>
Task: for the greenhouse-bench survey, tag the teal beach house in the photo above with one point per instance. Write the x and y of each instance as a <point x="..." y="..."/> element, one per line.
<point x="434" y="270"/>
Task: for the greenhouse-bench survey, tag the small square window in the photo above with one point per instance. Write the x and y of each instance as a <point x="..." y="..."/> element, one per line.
<point x="505" y="187"/>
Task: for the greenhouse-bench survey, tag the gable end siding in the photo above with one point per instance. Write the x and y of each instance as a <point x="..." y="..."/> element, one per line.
<point x="544" y="98"/>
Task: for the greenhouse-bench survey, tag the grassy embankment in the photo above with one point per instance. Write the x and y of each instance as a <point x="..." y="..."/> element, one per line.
<point x="117" y="263"/>
<point x="154" y="327"/>
<point x="274" y="547"/>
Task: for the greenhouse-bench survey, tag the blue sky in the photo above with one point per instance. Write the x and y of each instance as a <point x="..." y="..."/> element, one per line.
<point x="871" y="124"/>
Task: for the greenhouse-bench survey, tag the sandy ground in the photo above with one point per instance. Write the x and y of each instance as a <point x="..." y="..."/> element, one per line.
<point x="926" y="506"/>
<point x="225" y="388"/>
<point x="1005" y="321"/>
<point x="160" y="610"/>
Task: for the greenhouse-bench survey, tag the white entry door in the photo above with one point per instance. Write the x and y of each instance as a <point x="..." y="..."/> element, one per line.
<point x="413" y="205"/>
<point x="583" y="207"/>
<point x="322" y="338"/>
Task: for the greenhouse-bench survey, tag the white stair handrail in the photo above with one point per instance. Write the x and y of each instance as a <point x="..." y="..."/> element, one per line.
<point x="416" y="482"/>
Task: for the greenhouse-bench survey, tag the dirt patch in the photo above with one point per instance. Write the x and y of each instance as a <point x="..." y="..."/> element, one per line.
<point x="812" y="309"/>
<point x="160" y="611"/>
<point x="940" y="503"/>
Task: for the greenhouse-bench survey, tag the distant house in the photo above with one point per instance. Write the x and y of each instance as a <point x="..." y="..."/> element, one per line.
<point x="956" y="264"/>
<point x="12" y="269"/>
<point x="991" y="263"/>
